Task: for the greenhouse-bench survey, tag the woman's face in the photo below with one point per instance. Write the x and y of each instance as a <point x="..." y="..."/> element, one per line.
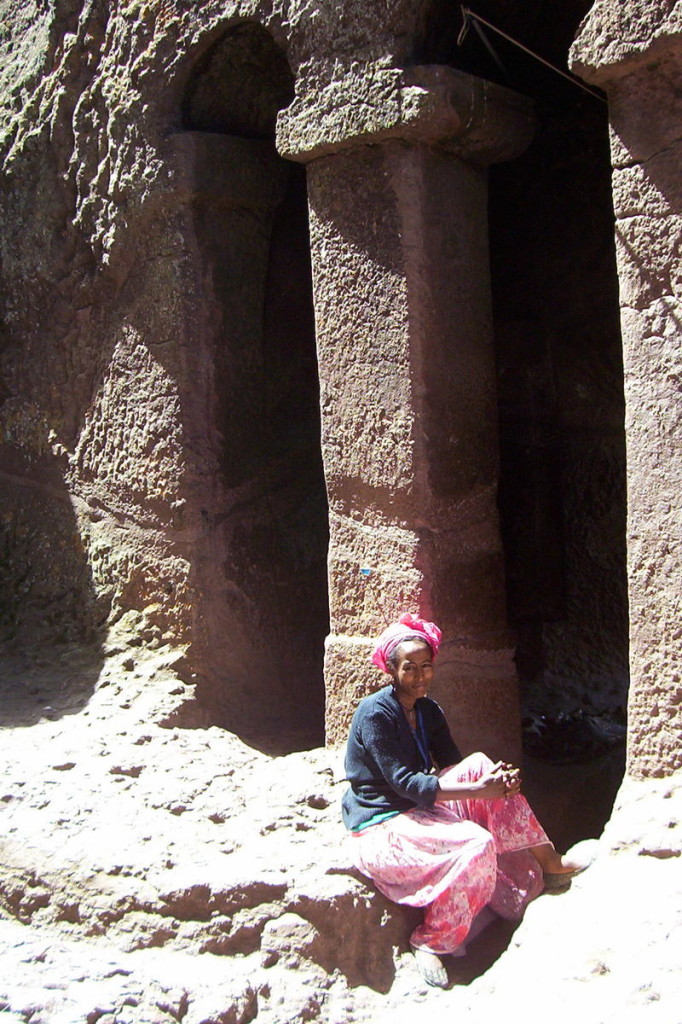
<point x="414" y="670"/>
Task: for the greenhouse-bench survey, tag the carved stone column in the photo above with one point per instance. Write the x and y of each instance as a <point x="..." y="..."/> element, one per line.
<point x="398" y="219"/>
<point x="634" y="53"/>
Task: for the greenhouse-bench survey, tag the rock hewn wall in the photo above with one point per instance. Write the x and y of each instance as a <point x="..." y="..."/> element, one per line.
<point x="150" y="461"/>
<point x="133" y="364"/>
<point x="147" y="368"/>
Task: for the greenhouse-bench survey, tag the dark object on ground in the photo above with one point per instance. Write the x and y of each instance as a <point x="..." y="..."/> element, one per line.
<point x="570" y="737"/>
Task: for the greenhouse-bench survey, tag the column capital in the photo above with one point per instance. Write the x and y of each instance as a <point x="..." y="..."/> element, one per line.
<point x="617" y="39"/>
<point x="364" y="103"/>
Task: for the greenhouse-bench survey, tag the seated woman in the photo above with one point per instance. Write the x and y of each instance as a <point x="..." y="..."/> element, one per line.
<point x="452" y="842"/>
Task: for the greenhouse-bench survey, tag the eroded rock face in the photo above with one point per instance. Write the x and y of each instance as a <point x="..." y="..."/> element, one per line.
<point x="165" y="511"/>
<point x="161" y="328"/>
<point x="161" y="371"/>
<point x="165" y="521"/>
<point x="160" y="438"/>
<point x="171" y="329"/>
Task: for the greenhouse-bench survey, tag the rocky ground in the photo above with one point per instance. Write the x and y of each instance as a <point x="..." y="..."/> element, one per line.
<point x="155" y="874"/>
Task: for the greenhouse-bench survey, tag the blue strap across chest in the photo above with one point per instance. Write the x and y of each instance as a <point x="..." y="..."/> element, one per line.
<point x="422" y="742"/>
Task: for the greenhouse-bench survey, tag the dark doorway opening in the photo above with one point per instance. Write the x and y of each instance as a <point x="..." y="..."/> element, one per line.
<point x="266" y="612"/>
<point x="562" y="494"/>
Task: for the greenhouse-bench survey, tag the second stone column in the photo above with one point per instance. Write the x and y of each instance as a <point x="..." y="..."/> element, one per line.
<point x="409" y="424"/>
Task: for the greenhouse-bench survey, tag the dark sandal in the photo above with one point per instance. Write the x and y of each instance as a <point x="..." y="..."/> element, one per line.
<point x="431" y="968"/>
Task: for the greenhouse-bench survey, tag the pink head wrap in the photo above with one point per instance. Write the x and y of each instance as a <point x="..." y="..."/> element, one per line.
<point x="408" y="627"/>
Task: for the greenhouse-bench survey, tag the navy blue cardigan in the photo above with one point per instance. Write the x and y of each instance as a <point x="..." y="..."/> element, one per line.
<point x="383" y="764"/>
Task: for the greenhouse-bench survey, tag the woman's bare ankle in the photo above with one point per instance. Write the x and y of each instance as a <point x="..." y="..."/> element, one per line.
<point x="549" y="860"/>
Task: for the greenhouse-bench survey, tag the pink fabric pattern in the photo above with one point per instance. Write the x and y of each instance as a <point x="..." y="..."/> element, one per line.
<point x="407" y="626"/>
<point x="454" y="859"/>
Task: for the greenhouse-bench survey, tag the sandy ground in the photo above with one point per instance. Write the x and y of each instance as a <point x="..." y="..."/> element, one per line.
<point x="155" y="874"/>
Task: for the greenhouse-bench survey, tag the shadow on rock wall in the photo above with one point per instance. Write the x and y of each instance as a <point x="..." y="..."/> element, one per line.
<point x="51" y="621"/>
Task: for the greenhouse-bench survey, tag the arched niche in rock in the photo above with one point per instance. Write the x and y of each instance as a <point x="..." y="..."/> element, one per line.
<point x="259" y="570"/>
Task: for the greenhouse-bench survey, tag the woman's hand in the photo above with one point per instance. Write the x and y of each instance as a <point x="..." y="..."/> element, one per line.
<point x="503" y="780"/>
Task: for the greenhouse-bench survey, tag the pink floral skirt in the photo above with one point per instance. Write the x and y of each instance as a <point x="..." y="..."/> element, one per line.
<point x="454" y="859"/>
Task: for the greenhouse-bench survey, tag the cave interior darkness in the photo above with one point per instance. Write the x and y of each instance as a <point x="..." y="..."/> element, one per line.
<point x="559" y="362"/>
<point x="562" y="490"/>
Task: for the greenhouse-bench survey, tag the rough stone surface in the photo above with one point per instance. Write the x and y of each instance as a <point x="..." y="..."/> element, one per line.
<point x="150" y="875"/>
<point x="160" y="447"/>
<point x="471" y="117"/>
<point x="618" y="37"/>
<point x="164" y="516"/>
<point x="148" y="460"/>
<point x="649" y="241"/>
<point x="160" y="426"/>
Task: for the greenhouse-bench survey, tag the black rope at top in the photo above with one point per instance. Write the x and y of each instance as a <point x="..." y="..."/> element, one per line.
<point x="470" y="17"/>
